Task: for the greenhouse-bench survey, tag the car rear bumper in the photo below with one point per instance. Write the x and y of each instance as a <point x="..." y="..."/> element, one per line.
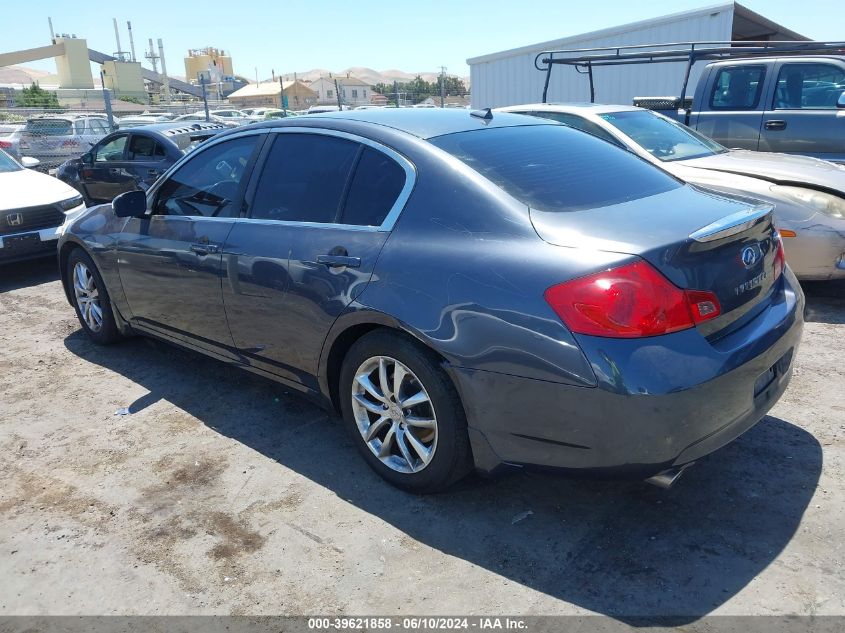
<point x="659" y="403"/>
<point x="28" y="245"/>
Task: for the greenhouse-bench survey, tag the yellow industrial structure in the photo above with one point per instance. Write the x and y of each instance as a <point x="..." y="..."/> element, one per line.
<point x="212" y="63"/>
<point x="124" y="79"/>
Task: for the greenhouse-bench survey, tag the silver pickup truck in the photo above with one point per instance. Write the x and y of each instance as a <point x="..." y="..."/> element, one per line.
<point x="784" y="97"/>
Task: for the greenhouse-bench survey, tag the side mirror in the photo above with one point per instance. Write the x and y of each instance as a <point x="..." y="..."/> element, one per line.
<point x="29" y="162"/>
<point x="131" y="204"/>
<point x="840" y="103"/>
<point x="87" y="159"/>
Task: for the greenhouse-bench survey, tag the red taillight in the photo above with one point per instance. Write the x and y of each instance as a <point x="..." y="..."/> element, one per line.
<point x="780" y="256"/>
<point x="5" y="144"/>
<point x="630" y="301"/>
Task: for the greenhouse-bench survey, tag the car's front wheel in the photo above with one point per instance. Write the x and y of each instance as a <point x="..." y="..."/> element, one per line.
<point x="403" y="412"/>
<point x="90" y="298"/>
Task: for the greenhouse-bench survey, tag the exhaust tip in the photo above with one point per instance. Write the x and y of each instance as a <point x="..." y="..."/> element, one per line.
<point x="668" y="477"/>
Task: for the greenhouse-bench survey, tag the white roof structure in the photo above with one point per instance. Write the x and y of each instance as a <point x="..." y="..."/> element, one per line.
<point x="510" y="78"/>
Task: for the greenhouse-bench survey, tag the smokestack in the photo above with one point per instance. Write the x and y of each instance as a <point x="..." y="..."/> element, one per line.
<point x="131" y="39"/>
<point x="164" y="72"/>
<point x="117" y="38"/>
<point x="153" y="57"/>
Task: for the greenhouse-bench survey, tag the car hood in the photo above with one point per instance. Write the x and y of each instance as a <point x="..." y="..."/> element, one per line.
<point x="28" y="188"/>
<point x="778" y="168"/>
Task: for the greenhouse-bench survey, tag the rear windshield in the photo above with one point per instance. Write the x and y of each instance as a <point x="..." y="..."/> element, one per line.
<point x="556" y="168"/>
<point x="50" y="127"/>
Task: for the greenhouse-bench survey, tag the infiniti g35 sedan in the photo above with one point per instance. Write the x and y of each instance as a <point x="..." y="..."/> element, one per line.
<point x="469" y="290"/>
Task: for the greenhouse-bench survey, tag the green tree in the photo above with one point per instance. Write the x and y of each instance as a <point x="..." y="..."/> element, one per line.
<point x="36" y="97"/>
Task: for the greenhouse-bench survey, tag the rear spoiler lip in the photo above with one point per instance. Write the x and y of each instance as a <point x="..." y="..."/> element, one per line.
<point x="732" y="224"/>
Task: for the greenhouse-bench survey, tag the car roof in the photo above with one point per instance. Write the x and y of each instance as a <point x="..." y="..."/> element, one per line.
<point x="574" y="107"/>
<point x="424" y="123"/>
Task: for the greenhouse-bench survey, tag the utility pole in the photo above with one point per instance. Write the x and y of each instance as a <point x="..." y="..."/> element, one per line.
<point x="204" y="96"/>
<point x="442" y="86"/>
<point x="337" y="90"/>
<point x="107" y="102"/>
<point x="282" y="96"/>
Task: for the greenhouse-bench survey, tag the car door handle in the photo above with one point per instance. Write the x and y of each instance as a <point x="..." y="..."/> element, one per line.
<point x="775" y="125"/>
<point x="153" y="172"/>
<point x="205" y="248"/>
<point x="114" y="170"/>
<point x="339" y="260"/>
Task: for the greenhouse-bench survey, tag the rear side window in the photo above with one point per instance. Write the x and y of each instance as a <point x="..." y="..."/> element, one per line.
<point x="376" y="185"/>
<point x="304" y="178"/>
<point x="737" y="88"/>
<point x="49" y="127"/>
<point x="809" y="86"/>
<point x="145" y="148"/>
<point x="555" y="168"/>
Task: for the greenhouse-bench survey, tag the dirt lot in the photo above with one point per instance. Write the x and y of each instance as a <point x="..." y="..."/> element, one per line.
<point x="222" y="493"/>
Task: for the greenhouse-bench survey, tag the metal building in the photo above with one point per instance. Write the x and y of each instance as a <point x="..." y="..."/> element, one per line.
<point x="510" y="78"/>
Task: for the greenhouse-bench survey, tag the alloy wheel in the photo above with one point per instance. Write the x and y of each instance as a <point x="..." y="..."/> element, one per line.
<point x="394" y="414"/>
<point x="87" y="297"/>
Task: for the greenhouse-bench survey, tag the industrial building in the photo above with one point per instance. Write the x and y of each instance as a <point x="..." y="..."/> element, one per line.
<point x="214" y="65"/>
<point x="510" y="77"/>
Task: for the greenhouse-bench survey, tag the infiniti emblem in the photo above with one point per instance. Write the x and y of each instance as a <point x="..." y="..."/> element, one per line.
<point x="14" y="219"/>
<point x="750" y="255"/>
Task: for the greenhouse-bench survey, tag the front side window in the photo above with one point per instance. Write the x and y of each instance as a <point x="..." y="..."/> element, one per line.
<point x="809" y="87"/>
<point x="79" y="126"/>
<point x="209" y="183"/>
<point x="661" y="137"/>
<point x="112" y="150"/>
<point x="556" y="168"/>
<point x="145" y="148"/>
<point x="304" y="178"/>
<point x="737" y="88"/>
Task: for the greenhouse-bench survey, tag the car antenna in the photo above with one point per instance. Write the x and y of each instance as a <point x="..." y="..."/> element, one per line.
<point x="486" y="114"/>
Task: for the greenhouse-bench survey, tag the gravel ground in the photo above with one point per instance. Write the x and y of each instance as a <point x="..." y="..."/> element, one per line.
<point x="221" y="493"/>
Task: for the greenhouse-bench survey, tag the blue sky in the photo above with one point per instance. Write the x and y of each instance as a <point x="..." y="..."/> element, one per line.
<point x="414" y="36"/>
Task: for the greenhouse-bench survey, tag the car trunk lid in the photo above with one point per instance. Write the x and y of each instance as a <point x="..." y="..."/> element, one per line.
<point x="698" y="240"/>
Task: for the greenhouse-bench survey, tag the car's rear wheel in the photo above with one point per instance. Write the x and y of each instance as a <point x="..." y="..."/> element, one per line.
<point x="90" y="298"/>
<point x="403" y="413"/>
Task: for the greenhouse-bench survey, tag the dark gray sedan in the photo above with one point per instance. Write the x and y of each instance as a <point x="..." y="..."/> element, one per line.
<point x="467" y="289"/>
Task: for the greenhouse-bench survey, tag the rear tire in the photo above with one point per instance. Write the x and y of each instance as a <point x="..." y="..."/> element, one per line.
<point x="403" y="413"/>
<point x="90" y="298"/>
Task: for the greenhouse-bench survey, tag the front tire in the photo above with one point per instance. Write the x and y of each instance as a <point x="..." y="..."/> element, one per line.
<point x="90" y="298"/>
<point x="403" y="413"/>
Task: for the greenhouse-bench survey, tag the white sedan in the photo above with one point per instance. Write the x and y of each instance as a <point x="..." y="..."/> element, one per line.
<point x="33" y="209"/>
